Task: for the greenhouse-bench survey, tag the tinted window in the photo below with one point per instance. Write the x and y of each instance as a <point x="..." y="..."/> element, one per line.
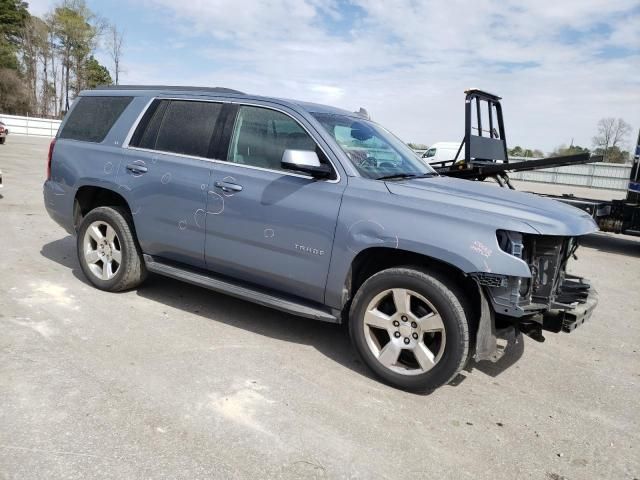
<point x="186" y="127"/>
<point x="430" y="153"/>
<point x="261" y="136"/>
<point x="147" y="131"/>
<point x="92" y="118"/>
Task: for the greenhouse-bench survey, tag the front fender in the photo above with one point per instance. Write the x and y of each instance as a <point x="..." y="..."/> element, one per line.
<point x="371" y="217"/>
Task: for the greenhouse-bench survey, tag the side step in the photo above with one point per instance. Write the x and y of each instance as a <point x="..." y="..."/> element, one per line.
<point x="245" y="292"/>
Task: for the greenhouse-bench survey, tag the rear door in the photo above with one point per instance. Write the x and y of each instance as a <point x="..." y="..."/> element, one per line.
<point x="267" y="225"/>
<point x="165" y="176"/>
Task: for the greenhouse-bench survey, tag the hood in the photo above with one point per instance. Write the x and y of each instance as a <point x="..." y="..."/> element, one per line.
<point x="468" y="198"/>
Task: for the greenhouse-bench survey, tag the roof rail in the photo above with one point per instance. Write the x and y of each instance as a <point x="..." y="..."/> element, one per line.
<point x="169" y="87"/>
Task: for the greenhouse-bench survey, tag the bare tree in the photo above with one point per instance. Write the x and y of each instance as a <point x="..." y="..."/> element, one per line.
<point x="114" y="44"/>
<point x="611" y="133"/>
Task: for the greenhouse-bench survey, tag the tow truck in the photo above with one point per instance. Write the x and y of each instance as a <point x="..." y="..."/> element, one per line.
<point x="484" y="156"/>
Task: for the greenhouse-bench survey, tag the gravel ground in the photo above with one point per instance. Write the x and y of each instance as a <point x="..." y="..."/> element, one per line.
<point x="173" y="381"/>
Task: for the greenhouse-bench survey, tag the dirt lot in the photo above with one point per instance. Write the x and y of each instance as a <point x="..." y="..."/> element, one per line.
<point x="173" y="381"/>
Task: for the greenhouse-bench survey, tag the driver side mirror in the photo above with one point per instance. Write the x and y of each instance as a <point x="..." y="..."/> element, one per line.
<point x="305" y="161"/>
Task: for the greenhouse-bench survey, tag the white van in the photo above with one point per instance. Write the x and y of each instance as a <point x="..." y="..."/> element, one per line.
<point x="442" y="151"/>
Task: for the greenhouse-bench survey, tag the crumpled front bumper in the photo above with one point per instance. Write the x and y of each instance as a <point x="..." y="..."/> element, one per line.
<point x="567" y="320"/>
<point x="572" y="319"/>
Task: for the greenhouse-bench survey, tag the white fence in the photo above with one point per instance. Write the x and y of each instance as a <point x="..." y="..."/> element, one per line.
<point x="39" y="127"/>
<point x="611" y="176"/>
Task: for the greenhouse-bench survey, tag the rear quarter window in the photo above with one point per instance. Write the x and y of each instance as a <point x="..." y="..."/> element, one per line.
<point x="92" y="118"/>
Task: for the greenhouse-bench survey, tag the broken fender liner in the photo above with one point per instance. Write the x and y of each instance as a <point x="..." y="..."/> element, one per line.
<point x="487" y="346"/>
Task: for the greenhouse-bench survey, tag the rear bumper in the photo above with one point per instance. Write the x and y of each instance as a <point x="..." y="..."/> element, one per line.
<point x="55" y="202"/>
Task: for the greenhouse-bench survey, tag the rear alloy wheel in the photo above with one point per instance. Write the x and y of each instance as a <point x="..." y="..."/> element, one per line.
<point x="102" y="250"/>
<point x="108" y="251"/>
<point x="409" y="327"/>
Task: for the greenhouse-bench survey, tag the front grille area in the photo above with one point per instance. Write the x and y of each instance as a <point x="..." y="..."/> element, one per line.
<point x="547" y="257"/>
<point x="491" y="279"/>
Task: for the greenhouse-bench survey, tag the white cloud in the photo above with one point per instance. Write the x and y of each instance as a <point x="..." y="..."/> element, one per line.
<point x="408" y="62"/>
<point x="559" y="65"/>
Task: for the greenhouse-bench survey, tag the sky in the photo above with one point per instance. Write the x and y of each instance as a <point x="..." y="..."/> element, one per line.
<point x="560" y="65"/>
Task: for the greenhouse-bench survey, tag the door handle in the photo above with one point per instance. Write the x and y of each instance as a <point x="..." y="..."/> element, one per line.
<point x="136" y="168"/>
<point x="228" y="187"/>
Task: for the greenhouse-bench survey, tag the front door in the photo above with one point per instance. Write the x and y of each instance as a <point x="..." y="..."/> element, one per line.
<point x="266" y="225"/>
<point x="165" y="176"/>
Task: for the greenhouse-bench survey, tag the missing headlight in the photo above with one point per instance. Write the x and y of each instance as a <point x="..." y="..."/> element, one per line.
<point x="510" y="242"/>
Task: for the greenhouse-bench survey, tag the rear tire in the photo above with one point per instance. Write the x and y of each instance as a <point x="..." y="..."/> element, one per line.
<point x="108" y="251"/>
<point x="410" y="329"/>
<point x="2" y="140"/>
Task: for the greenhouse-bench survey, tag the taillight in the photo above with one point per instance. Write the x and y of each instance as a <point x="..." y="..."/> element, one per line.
<point x="51" y="145"/>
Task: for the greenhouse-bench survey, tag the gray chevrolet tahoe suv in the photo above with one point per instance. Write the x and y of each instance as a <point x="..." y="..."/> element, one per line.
<point x="318" y="212"/>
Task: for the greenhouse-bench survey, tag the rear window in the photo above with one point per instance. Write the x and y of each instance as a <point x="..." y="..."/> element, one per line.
<point x="92" y="118"/>
<point x="178" y="126"/>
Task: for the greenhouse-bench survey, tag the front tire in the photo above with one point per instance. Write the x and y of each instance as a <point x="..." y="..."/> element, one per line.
<point x="410" y="329"/>
<point x="108" y="251"/>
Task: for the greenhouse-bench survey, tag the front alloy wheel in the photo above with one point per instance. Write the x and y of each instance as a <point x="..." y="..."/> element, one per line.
<point x="409" y="327"/>
<point x="404" y="331"/>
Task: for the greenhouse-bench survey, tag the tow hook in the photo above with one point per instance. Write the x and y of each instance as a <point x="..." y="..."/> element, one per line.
<point x="532" y="329"/>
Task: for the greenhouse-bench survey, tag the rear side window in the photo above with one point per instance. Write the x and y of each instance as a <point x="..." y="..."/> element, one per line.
<point x="92" y="118"/>
<point x="178" y="126"/>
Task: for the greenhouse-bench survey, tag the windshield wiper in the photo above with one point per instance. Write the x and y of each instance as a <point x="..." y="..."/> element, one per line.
<point x="407" y="175"/>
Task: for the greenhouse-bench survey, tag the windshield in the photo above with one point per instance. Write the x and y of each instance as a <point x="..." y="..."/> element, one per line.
<point x="375" y="152"/>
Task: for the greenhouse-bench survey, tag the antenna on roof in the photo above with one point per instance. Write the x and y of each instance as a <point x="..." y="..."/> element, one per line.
<point x="363" y="113"/>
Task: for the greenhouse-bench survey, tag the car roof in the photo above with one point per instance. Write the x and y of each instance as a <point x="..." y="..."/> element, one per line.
<point x="167" y="89"/>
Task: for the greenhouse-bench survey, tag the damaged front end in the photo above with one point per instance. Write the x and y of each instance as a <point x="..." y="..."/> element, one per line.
<point x="551" y="299"/>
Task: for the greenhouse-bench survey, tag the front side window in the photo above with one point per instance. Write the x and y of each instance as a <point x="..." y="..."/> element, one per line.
<point x="178" y="126"/>
<point x="430" y="153"/>
<point x="375" y="152"/>
<point x="261" y="136"/>
<point x="92" y="118"/>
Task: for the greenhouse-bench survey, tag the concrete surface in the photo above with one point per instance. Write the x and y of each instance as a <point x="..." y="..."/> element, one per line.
<point x="173" y="381"/>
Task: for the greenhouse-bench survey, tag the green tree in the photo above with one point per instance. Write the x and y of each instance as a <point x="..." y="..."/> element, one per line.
<point x="611" y="133"/>
<point x="76" y="38"/>
<point x="97" y="74"/>
<point x="44" y="62"/>
<point x="13" y="95"/>
<point x="13" y="17"/>
<point x="613" y="154"/>
<point x="34" y="44"/>
<point x="570" y="150"/>
<point x="518" y="151"/>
